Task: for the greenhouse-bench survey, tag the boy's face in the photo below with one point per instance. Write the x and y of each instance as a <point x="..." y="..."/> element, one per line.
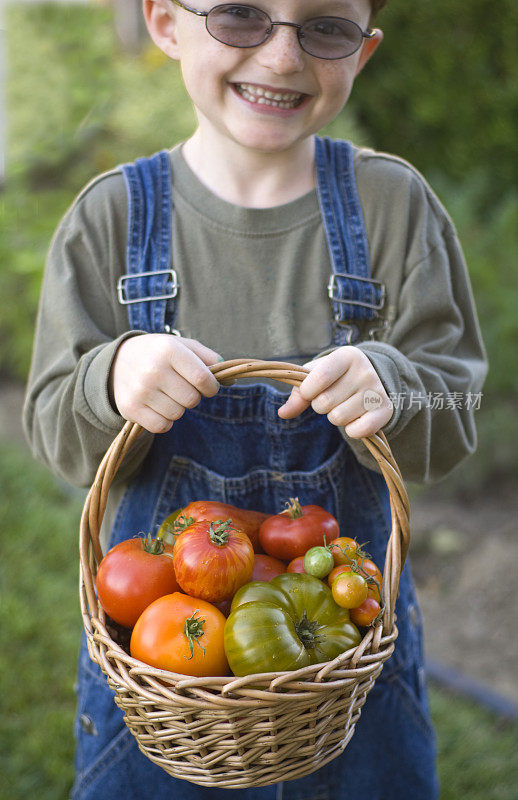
<point x="217" y="75"/>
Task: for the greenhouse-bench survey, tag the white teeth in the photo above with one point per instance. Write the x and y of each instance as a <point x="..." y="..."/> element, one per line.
<point x="256" y="94"/>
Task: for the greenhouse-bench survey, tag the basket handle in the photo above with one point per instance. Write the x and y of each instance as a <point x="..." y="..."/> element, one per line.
<point x="95" y="504"/>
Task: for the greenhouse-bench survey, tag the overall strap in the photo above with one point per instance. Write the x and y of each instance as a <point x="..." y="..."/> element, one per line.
<point x="354" y="295"/>
<point x="150" y="281"/>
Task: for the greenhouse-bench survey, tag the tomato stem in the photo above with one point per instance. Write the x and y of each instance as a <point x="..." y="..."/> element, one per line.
<point x="219" y="531"/>
<point x="153" y="546"/>
<point x="180" y="524"/>
<point x="293" y="509"/>
<point x="307" y="632"/>
<point x="193" y="630"/>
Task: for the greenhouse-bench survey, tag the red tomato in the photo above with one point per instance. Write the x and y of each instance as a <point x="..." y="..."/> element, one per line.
<point x="133" y="574"/>
<point x="349" y="590"/>
<point x="297" y="565"/>
<point x="363" y="615"/>
<point x="247" y="521"/>
<point x="212" y="560"/>
<point x="294" y="531"/>
<point x="266" y="568"/>
<point x="181" y="634"/>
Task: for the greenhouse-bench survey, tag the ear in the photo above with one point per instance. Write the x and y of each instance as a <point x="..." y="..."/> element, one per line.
<point x="161" y="23"/>
<point x="368" y="48"/>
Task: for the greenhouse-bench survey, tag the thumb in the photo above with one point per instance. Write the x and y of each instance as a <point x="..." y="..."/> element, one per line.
<point x="294" y="405"/>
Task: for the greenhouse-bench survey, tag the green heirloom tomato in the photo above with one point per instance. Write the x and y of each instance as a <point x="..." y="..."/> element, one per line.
<point x="284" y="624"/>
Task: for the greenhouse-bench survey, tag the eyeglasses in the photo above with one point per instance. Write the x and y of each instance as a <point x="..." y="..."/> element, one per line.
<point x="245" y="26"/>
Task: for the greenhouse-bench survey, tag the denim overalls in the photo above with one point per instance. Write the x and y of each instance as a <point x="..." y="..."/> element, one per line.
<point x="234" y="448"/>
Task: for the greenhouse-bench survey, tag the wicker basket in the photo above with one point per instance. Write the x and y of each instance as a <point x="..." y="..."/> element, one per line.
<point x="261" y="729"/>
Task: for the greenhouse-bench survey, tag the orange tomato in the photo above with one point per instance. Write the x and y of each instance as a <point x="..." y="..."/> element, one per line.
<point x="349" y="589"/>
<point x="181" y="634"/>
<point x="344" y="550"/>
<point x="336" y="571"/>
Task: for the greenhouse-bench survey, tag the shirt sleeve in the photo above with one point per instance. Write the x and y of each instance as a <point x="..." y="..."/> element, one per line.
<point x="432" y="362"/>
<point x="67" y="416"/>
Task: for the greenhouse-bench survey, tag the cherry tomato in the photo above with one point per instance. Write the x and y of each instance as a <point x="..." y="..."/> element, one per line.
<point x="349" y="589"/>
<point x="181" y="634"/>
<point x="292" y="532"/>
<point x="369" y="570"/>
<point x="212" y="560"/>
<point x="318" y="562"/>
<point x="133" y="574"/>
<point x="336" y="571"/>
<point x="296" y="565"/>
<point x="363" y="615"/>
<point x="247" y="521"/>
<point x="266" y="568"/>
<point x="344" y="550"/>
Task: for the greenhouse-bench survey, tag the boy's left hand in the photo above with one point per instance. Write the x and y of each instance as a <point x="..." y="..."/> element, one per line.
<point x="345" y="386"/>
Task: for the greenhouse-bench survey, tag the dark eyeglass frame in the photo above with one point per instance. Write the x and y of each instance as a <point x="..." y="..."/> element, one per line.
<point x="368" y="34"/>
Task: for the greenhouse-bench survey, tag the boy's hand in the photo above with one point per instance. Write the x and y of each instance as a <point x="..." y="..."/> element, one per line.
<point x="155" y="377"/>
<point x="345" y="386"/>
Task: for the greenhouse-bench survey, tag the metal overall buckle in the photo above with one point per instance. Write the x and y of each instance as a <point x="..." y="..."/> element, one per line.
<point x="168" y="295"/>
<point x="352" y="332"/>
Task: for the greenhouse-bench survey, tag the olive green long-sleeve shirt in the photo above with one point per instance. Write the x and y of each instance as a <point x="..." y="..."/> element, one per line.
<point x="253" y="283"/>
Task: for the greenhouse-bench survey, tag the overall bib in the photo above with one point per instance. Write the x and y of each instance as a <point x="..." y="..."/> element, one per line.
<point x="235" y="449"/>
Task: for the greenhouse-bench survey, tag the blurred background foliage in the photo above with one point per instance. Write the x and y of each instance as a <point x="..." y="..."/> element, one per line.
<point x="441" y="92"/>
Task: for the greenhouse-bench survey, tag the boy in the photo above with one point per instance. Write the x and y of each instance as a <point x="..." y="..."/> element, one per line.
<point x="264" y="211"/>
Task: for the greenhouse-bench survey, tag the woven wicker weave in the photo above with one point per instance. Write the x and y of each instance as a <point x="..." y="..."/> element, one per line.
<point x="253" y="731"/>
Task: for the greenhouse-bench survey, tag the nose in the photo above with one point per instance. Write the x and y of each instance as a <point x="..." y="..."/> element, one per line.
<point x="282" y="52"/>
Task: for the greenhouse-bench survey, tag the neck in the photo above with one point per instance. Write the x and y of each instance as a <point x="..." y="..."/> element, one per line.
<point x="251" y="178"/>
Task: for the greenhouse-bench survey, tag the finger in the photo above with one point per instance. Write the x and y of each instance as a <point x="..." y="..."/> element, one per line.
<point x="324" y="372"/>
<point x="205" y="354"/>
<point x="169" y="407"/>
<point x="369" y="423"/>
<point x="294" y="405"/>
<point x="175" y="388"/>
<point x="334" y="395"/>
<point x="151" y="421"/>
<point x="190" y="366"/>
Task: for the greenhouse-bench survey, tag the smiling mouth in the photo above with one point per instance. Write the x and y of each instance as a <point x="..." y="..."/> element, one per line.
<point x="256" y="94"/>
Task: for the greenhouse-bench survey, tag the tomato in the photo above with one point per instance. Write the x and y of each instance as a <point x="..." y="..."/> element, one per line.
<point x="246" y="521"/>
<point x="133" y="574"/>
<point x="292" y="532"/>
<point x="285" y="624"/>
<point x="212" y="560"/>
<point x="374" y="578"/>
<point x="266" y="568"/>
<point x="344" y="550"/>
<point x="349" y="589"/>
<point x="336" y="571"/>
<point x="368" y="611"/>
<point x="296" y="565"/>
<point x="318" y="562"/>
<point x="181" y="634"/>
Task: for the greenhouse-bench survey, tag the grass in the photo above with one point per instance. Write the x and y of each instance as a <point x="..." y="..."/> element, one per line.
<point x="39" y="632"/>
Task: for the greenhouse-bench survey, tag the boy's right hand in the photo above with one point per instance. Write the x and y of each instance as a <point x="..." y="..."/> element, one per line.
<point x="156" y="376"/>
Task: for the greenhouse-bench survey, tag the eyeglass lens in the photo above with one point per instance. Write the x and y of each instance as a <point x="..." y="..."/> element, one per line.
<point x="245" y="26"/>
